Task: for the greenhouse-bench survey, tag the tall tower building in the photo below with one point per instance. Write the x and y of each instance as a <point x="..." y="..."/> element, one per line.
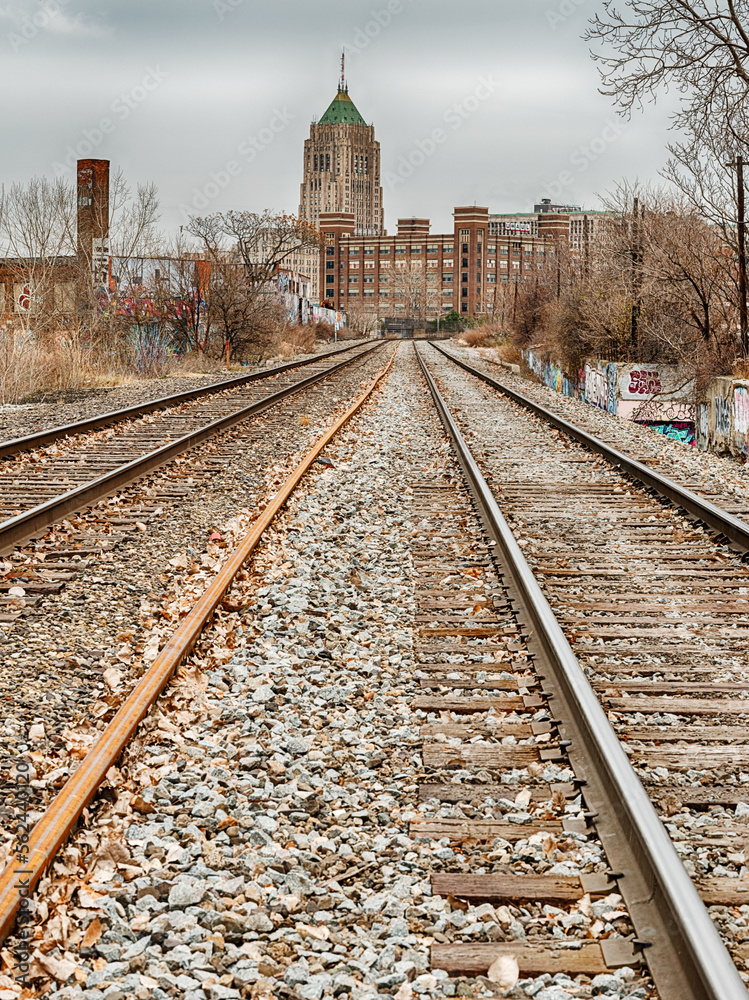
<point x="342" y="168"/>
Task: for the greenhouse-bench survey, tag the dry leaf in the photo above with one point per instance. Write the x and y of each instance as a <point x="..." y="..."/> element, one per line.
<point x="504" y="971"/>
<point x="112" y="677"/>
<point x="523" y="798"/>
<point x="140" y="805"/>
<point x="93" y="933"/>
<point x="60" y="969"/>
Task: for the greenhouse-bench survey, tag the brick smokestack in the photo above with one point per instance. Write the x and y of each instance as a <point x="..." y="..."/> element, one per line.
<point x="93" y="219"/>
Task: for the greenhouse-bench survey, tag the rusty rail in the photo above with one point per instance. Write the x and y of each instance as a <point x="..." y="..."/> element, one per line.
<point x="20" y="528"/>
<point x="15" y="446"/>
<point x="22" y="874"/>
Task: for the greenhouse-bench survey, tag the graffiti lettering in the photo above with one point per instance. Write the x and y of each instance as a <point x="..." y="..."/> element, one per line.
<point x="722" y="415"/>
<point x="741" y="410"/>
<point x="644" y="382"/>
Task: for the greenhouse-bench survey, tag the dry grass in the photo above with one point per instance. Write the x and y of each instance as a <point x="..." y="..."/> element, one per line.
<point x="294" y="339"/>
<point x="475" y="338"/>
<point x="62" y="362"/>
<point x="510" y="353"/>
<point x="199" y="363"/>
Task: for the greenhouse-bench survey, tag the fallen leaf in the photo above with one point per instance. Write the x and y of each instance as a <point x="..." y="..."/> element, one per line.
<point x="140" y="805"/>
<point x="504" y="971"/>
<point x="93" y="933"/>
<point x="60" y="969"/>
<point x="112" y="677"/>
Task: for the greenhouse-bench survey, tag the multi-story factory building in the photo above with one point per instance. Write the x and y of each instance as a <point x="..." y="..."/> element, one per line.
<point x="423" y="275"/>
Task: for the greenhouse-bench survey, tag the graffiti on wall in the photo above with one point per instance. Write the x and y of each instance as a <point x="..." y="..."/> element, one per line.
<point x="722" y="415"/>
<point x="678" y="430"/>
<point x="703" y="426"/>
<point x="741" y="411"/>
<point x="596" y="387"/>
<point x="643" y="381"/>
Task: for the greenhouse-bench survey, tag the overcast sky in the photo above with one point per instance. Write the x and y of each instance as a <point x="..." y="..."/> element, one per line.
<point x="212" y="99"/>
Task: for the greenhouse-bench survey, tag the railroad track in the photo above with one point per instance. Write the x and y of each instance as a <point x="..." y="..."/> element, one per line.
<point x="51" y="435"/>
<point x="40" y="487"/>
<point x="651" y="603"/>
<point x="531" y="823"/>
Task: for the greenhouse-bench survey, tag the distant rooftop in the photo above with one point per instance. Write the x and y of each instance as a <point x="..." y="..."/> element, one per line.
<point x="342" y="110"/>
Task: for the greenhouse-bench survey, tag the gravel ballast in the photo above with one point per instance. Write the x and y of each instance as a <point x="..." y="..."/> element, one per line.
<point x="254" y="839"/>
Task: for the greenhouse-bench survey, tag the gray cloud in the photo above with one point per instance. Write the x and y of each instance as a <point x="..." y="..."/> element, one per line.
<point x="174" y="91"/>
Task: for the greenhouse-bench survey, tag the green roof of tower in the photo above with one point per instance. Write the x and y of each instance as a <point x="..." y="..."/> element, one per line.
<point x="342" y="110"/>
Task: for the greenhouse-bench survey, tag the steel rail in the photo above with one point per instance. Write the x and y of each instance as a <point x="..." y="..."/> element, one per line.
<point x="22" y="874"/>
<point x="20" y="528"/>
<point x="732" y="528"/>
<point x="40" y="439"/>
<point x="681" y="945"/>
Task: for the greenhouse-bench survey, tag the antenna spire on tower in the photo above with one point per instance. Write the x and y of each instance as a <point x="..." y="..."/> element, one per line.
<point x="343" y="69"/>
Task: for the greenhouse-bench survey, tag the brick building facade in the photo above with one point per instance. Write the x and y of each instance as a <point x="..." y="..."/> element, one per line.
<point x="424" y="275"/>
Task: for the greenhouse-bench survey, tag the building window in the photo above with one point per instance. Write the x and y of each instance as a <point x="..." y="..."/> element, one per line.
<point x="400" y="249"/>
<point x="464" y="278"/>
<point x="384" y="251"/>
<point x="329" y="279"/>
<point x="369" y="250"/>
<point x="368" y="279"/>
<point x="465" y="262"/>
<point x="464" y="293"/>
<point x="384" y="295"/>
<point x="447" y="248"/>
<point x="465" y="248"/>
<point x="503" y="250"/>
<point x="447" y="276"/>
<point x="330" y="265"/>
<point x="432" y="249"/>
<point x="416" y="249"/>
<point x="464" y="307"/>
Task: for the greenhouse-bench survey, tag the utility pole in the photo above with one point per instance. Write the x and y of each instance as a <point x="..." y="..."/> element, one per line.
<point x="742" y="254"/>
<point x="635" y="278"/>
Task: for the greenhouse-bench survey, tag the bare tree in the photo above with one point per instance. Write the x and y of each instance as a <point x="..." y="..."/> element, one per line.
<point x="700" y="48"/>
<point x="245" y="251"/>
<point x="418" y="289"/>
<point x="37" y="239"/>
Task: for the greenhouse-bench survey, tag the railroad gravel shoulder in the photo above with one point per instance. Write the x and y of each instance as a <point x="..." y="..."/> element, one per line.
<point x="726" y="476"/>
<point x="68" y="406"/>
<point x="56" y="656"/>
